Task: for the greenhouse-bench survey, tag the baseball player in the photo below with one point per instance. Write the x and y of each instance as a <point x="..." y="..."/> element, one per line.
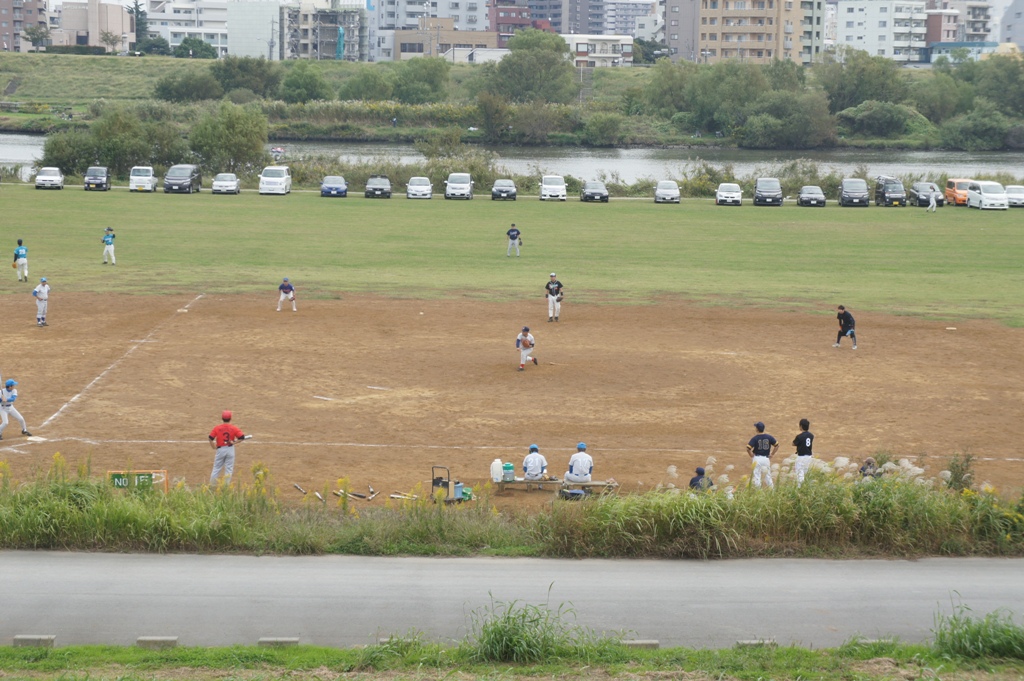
<point x="8" y="394"/>
<point x="760" y="449"/>
<point x="287" y="290"/>
<point x="847" y="326"/>
<point x="515" y="240"/>
<point x="701" y="482"/>
<point x="553" y="292"/>
<point x="803" y="443"/>
<point x="581" y="465"/>
<point x="222" y="441"/>
<point x="534" y="465"/>
<point x="108" y="246"/>
<point x="42" y="295"/>
<point x="21" y="261"/>
<point x="525" y="343"/>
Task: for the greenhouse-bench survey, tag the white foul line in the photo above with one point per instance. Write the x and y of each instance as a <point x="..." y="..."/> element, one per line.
<point x="109" y="368"/>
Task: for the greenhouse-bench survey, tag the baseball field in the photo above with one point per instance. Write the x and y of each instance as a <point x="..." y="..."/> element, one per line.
<point x="681" y="327"/>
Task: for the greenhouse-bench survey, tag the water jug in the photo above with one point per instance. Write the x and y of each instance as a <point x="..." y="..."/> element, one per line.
<point x="508" y="472"/>
<point x="496" y="470"/>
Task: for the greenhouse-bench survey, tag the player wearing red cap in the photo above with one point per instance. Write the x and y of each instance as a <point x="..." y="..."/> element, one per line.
<point x="222" y="441"/>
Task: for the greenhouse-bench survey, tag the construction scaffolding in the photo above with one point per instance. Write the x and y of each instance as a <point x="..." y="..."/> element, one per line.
<point x="313" y="32"/>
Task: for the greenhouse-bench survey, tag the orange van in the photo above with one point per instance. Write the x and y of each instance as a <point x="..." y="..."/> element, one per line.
<point x="956" y="191"/>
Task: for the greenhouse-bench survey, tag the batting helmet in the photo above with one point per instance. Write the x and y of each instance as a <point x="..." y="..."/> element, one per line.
<point x="526" y="328"/>
<point x="225" y="415"/>
<point x="581" y="446"/>
<point x="11" y="383"/>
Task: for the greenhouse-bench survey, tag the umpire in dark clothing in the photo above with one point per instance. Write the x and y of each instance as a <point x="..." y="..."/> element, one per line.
<point x="846" y="327"/>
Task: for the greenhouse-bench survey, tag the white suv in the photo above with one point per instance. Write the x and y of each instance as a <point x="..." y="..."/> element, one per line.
<point x="276" y="180"/>
<point x="552" y="187"/>
<point x="986" y="195"/>
<point x="458" y="186"/>
<point x="142" y="179"/>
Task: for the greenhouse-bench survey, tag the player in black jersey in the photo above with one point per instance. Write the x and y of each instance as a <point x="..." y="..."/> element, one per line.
<point x="803" y="443"/>
<point x="760" y="449"/>
<point x="846" y="327"/>
<point x="553" y="292"/>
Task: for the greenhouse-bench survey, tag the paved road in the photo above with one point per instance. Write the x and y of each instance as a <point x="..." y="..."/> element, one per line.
<point x="342" y="601"/>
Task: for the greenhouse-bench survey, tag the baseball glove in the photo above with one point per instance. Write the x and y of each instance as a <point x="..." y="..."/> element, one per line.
<point x="14" y="265"/>
<point x="559" y="298"/>
<point x="527" y="344"/>
<point x="520" y="241"/>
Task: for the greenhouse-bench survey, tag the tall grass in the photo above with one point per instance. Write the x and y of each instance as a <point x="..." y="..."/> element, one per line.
<point x="996" y="635"/>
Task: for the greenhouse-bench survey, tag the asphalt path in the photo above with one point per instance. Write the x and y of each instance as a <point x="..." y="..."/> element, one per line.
<point x="341" y="601"/>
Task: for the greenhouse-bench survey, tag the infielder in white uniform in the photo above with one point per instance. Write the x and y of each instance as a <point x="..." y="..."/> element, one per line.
<point x="534" y="465"/>
<point x="42" y="294"/>
<point x="553" y="292"/>
<point x="581" y="465"/>
<point x="525" y="343"/>
<point x="7" y="397"/>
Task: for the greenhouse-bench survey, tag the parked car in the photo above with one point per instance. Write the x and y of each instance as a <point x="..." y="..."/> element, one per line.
<point x="594" y="191"/>
<point x="504" y="190"/>
<point x="419" y="188"/>
<point x="552" y="187"/>
<point x="458" y="186"/>
<point x="811" y="195"/>
<point x="921" y="192"/>
<point x="1015" y="196"/>
<point x="378" y="187"/>
<point x="276" y="180"/>
<point x="853" y="191"/>
<point x="183" y="178"/>
<point x="667" y="191"/>
<point x="889" y="192"/>
<point x="49" y="178"/>
<point x="956" y="191"/>
<point x="767" y="192"/>
<point x="987" y="196"/>
<point x="728" y="193"/>
<point x="142" y="179"/>
<point x="97" y="177"/>
<point x="334" y="185"/>
<point x="226" y="183"/>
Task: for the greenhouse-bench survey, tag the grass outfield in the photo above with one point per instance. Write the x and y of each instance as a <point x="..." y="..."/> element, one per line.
<point x="954" y="263"/>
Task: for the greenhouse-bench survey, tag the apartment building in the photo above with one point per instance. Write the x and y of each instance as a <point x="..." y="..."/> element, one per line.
<point x="895" y="29"/>
<point x="324" y="30"/>
<point x="571" y="16"/>
<point x="175" y="20"/>
<point x="1011" y="26"/>
<point x="975" y="19"/>
<point x="507" y="17"/>
<point x="388" y="16"/>
<point x="15" y="17"/>
<point x="942" y="25"/>
<point x="620" y="16"/>
<point x="436" y="37"/>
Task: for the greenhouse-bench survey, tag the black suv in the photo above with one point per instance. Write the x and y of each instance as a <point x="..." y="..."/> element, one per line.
<point x="97" y="177"/>
<point x="921" y="192"/>
<point x="853" y="191"/>
<point x="889" y="192"/>
<point x="184" y="178"/>
<point x="767" y="192"/>
<point x="378" y="186"/>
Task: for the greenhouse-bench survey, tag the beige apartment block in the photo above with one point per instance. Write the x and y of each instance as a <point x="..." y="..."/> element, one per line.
<point x="755" y="31"/>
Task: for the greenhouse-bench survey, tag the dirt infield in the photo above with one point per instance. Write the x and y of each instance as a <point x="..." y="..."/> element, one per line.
<point x="377" y="390"/>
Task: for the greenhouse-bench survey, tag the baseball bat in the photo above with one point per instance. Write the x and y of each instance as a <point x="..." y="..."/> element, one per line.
<point x="296" y="485"/>
<point x="357" y="494"/>
<point x="320" y="497"/>
<point x="336" y="493"/>
<point x="371" y="497"/>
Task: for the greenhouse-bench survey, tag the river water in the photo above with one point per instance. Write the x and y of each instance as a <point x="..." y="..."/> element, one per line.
<point x="633" y="164"/>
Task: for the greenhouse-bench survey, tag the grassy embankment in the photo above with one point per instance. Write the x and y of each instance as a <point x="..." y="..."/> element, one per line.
<point x="513" y="641"/>
<point x="953" y="264"/>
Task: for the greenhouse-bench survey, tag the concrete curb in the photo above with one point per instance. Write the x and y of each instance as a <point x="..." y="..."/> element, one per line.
<point x="157" y="642"/>
<point x="34" y="640"/>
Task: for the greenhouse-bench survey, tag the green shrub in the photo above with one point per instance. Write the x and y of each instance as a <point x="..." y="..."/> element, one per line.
<point x="995" y="635"/>
<point x="604" y="129"/>
<point x="521" y="633"/>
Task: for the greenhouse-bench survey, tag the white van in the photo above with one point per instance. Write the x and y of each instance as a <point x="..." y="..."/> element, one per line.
<point x="142" y="179"/>
<point x="458" y="186"/>
<point x="552" y="187"/>
<point x="276" y="180"/>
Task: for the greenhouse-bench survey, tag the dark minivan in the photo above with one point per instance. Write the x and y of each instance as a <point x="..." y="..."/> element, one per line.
<point x="853" y="191"/>
<point x="97" y="177"/>
<point x="767" y="192"/>
<point x="889" y="192"/>
<point x="184" y="178"/>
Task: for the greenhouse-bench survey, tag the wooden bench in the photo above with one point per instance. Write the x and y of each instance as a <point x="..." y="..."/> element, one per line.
<point x="529" y="484"/>
<point x="598" y="486"/>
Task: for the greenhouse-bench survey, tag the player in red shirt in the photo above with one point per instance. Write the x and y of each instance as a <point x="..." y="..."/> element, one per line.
<point x="222" y="440"/>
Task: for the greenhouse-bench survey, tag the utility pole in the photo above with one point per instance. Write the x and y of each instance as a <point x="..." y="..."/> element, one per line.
<point x="271" y="43"/>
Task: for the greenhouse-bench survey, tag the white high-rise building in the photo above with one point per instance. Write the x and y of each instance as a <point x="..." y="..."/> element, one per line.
<point x="894" y="29"/>
<point x="1011" y="26"/>
<point x="387" y="16"/>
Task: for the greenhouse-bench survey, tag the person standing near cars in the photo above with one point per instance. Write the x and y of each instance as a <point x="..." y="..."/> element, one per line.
<point x="514" y="241"/>
<point x="108" y="246"/>
<point x="21" y="261"/>
<point x="932" y="205"/>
